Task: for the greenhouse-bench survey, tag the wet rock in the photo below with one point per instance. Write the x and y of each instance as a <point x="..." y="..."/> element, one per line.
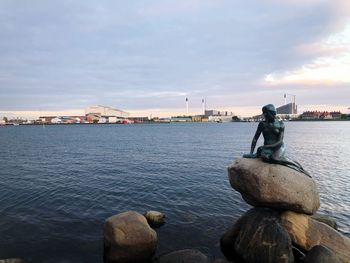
<point x="327" y="220"/>
<point x="128" y="238"/>
<point x="276" y="186"/>
<point x="306" y="233"/>
<point x="184" y="256"/>
<point x="321" y="254"/>
<point x="227" y="244"/>
<point x="258" y="237"/>
<point x="155" y="218"/>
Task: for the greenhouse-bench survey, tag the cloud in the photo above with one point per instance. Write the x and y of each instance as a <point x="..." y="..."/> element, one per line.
<point x="141" y="54"/>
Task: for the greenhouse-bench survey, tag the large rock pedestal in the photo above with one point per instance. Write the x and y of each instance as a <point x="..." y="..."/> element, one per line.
<point x="275" y="186"/>
<point x="128" y="238"/>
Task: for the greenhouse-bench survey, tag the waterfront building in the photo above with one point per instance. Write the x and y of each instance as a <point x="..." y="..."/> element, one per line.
<point x="219" y="116"/>
<point x="46" y="119"/>
<point x="93" y="117"/>
<point x="139" y="119"/>
<point x="208" y="113"/>
<point x="325" y="115"/>
<point x="181" y="119"/>
<point x="197" y="118"/>
<point x="106" y="111"/>
<point x="336" y="115"/>
<point x="56" y="120"/>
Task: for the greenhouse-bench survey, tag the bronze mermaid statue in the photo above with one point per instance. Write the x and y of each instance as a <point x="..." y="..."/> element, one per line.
<point x="273" y="149"/>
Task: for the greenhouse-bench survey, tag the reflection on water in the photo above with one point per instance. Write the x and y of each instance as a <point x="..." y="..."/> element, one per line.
<point x="60" y="183"/>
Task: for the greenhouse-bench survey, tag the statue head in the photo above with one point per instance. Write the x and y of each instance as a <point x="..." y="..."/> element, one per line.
<point x="269" y="112"/>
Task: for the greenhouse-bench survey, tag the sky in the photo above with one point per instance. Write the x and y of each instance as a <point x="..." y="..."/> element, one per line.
<point x="147" y="56"/>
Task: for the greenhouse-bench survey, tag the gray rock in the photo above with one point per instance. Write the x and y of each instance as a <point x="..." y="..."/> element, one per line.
<point x="276" y="186"/>
<point x="155" y="218"/>
<point x="184" y="256"/>
<point x="321" y="254"/>
<point x="128" y="238"/>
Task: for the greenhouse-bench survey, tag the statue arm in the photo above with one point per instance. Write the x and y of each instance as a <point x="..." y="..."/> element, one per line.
<point x="256" y="137"/>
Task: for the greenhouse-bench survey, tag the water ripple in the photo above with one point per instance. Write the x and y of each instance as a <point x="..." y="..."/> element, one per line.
<point x="59" y="184"/>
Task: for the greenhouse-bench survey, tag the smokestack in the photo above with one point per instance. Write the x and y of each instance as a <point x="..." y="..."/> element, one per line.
<point x="187" y="106"/>
<point x="203" y="109"/>
<point x="285" y="99"/>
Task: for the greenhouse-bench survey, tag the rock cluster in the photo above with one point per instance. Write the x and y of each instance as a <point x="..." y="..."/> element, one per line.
<point x="128" y="238"/>
<point x="280" y="228"/>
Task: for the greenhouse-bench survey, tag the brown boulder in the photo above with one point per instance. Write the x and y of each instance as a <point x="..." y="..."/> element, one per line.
<point x="276" y="186"/>
<point x="307" y="233"/>
<point x="128" y="238"/>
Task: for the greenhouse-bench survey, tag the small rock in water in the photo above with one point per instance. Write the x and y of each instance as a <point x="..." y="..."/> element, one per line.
<point x="128" y="239"/>
<point x="184" y="256"/>
<point x="155" y="218"/>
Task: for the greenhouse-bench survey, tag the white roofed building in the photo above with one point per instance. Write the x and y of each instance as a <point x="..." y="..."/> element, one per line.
<point x="106" y="111"/>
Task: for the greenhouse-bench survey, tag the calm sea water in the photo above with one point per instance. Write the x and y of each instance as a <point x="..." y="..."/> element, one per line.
<point x="59" y="183"/>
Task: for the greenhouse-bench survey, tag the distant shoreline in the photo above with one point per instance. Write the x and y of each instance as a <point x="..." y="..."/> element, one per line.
<point x="138" y="123"/>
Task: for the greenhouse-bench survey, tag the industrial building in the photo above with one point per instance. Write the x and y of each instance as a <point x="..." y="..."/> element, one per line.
<point x="219" y="116"/>
<point x="100" y="110"/>
<point x="288" y="109"/>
